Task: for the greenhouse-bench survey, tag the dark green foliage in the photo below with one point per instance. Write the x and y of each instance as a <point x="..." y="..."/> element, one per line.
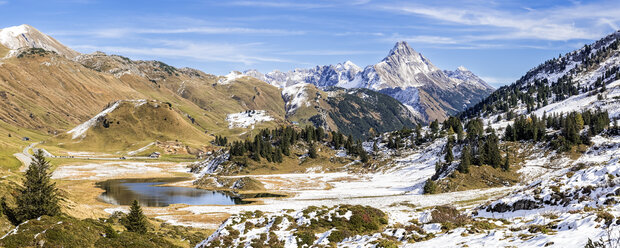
<point x="110" y="232"/>
<point x="506" y="165"/>
<point x="430" y="187"/>
<point x="9" y="212"/>
<point x="465" y="160"/>
<point x="448" y="150"/>
<point x="305" y="238"/>
<point x="491" y="151"/>
<point x="475" y="129"/>
<point x="273" y="145"/>
<point x="455" y="125"/>
<point x="220" y="141"/>
<point x="312" y="151"/>
<point x="434" y="127"/>
<point x="135" y="221"/>
<point x="38" y="195"/>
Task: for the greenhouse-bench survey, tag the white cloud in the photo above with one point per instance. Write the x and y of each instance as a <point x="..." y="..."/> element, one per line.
<point x="360" y="34"/>
<point x="422" y="39"/>
<point x="123" y="32"/>
<point x="328" y="52"/>
<point x="247" y="54"/>
<point x="280" y="4"/>
<point x="555" y="24"/>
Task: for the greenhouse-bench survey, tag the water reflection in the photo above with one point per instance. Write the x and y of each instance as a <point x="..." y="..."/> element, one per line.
<point x="146" y="191"/>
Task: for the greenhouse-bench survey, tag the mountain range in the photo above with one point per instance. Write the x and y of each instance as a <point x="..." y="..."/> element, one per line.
<point x="49" y="87"/>
<point x="408" y="76"/>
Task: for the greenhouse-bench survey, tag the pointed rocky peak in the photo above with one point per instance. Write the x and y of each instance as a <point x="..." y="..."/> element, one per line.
<point x="26" y="36"/>
<point x="462" y="69"/>
<point x="401" y="49"/>
<point x="348" y="66"/>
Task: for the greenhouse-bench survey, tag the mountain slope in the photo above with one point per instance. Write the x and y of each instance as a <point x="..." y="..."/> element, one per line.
<point x="26" y="36"/>
<point x="127" y="124"/>
<point x="582" y="79"/>
<point x="404" y="74"/>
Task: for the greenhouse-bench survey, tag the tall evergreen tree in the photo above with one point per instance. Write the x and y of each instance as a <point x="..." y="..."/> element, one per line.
<point x="312" y="151"/>
<point x="493" y="156"/>
<point x="38" y="195"/>
<point x="506" y="165"/>
<point x="449" y="156"/>
<point x="465" y="160"/>
<point x="135" y="221"/>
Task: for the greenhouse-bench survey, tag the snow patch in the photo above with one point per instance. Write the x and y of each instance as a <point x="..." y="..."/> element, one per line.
<point x="247" y="118"/>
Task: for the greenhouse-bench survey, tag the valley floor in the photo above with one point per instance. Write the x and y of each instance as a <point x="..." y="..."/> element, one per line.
<point x="397" y="191"/>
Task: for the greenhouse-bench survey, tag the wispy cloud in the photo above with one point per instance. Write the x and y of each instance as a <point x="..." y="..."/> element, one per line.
<point x="328" y="52"/>
<point x="554" y="24"/>
<point x="360" y="34"/>
<point x="422" y="39"/>
<point x="123" y="32"/>
<point x="280" y="4"/>
<point x="4" y="2"/>
<point x="248" y="54"/>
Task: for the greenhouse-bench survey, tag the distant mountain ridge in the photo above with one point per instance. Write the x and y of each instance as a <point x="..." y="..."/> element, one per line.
<point x="402" y="74"/>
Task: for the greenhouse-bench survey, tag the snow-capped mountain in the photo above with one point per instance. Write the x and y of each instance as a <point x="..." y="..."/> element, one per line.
<point x="402" y="74"/>
<point x="321" y="76"/>
<point x="26" y="36"/>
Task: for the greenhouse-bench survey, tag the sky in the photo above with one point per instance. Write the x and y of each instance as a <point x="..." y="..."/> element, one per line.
<point x="497" y="40"/>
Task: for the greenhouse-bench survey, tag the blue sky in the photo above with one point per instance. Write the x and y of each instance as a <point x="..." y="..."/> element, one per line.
<point x="498" y="40"/>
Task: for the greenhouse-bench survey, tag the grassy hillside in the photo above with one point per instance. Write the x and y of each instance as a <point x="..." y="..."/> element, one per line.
<point x="135" y="124"/>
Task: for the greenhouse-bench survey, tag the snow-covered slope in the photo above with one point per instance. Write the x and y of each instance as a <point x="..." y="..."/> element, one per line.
<point x="247" y="118"/>
<point x="25" y="36"/>
<point x="400" y="73"/>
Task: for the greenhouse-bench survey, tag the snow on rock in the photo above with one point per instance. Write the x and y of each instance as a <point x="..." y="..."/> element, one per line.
<point x="247" y="118"/>
<point x="231" y="77"/>
<point x="295" y="96"/>
<point x="80" y="130"/>
<point x="211" y="164"/>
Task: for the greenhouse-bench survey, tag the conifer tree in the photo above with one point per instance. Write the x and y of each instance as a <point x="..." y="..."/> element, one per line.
<point x="465" y="160"/>
<point x="506" y="165"/>
<point x="38" y="195"/>
<point x="364" y="156"/>
<point x="135" y="221"/>
<point x="312" y="151"/>
<point x="493" y="157"/>
<point x="430" y="187"/>
<point x="449" y="156"/>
